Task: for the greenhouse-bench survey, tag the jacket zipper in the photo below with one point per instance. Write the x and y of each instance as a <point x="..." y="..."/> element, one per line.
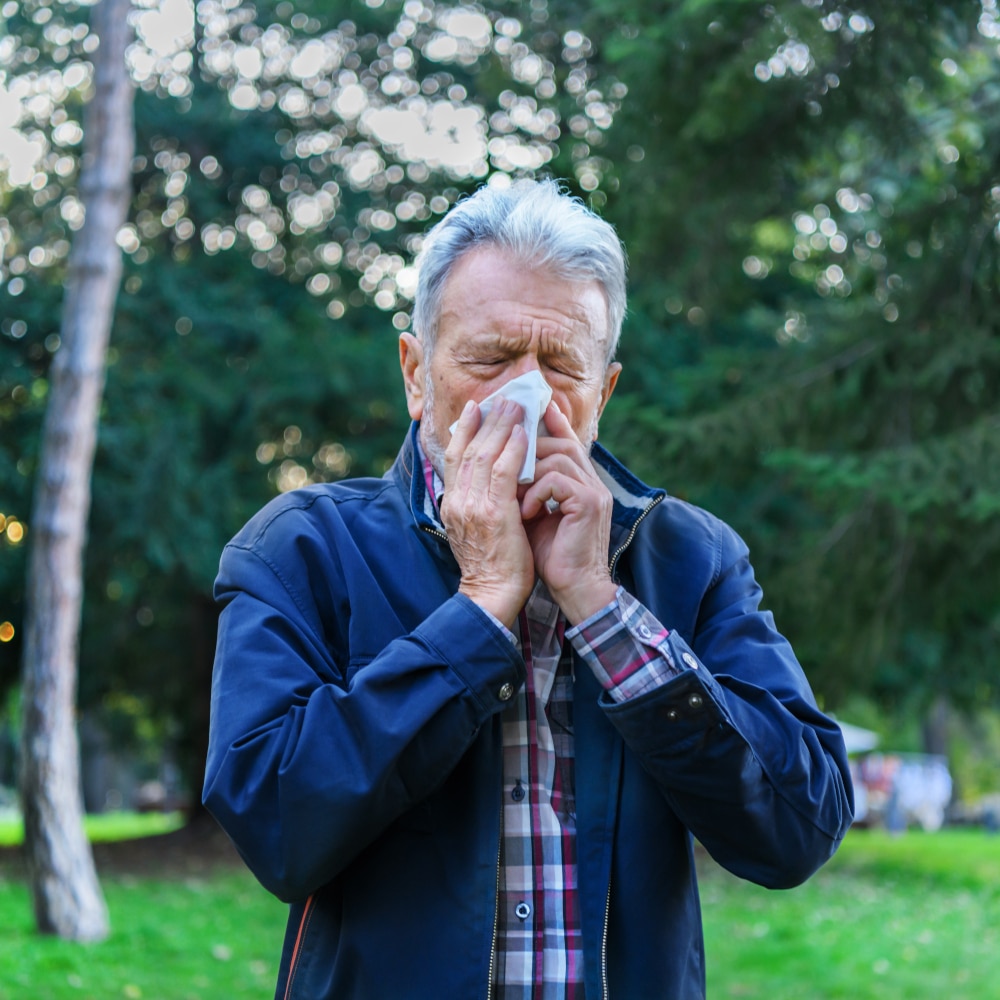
<point x="496" y="919"/>
<point x="299" y="941"/>
<point x="605" y="993"/>
<point x="434" y="531"/>
<point x="616" y="555"/>
<point x="496" y="913"/>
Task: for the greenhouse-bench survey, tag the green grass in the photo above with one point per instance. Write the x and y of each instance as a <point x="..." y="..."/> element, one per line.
<point x="191" y="939"/>
<point x="104" y="827"/>
<point x="915" y="917"/>
<point x="909" y="918"/>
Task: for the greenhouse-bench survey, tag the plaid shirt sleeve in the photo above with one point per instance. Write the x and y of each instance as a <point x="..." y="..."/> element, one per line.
<point x="626" y="647"/>
<point x="500" y="625"/>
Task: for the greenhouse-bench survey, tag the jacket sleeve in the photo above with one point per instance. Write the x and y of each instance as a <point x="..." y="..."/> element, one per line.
<point x="308" y="761"/>
<point x="735" y="741"/>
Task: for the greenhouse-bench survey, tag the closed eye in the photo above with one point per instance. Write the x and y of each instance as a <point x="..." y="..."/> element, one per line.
<point x="487" y="362"/>
<point x="567" y="371"/>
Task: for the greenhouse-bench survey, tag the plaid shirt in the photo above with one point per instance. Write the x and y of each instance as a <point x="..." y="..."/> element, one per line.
<point x="539" y="949"/>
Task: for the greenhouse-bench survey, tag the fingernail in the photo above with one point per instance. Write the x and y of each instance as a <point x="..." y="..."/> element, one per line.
<point x="468" y="407"/>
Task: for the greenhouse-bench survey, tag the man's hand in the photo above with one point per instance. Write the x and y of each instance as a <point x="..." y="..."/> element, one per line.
<point x="570" y="545"/>
<point x="480" y="509"/>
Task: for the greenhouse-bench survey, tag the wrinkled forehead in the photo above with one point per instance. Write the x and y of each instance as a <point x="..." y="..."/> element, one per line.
<point x="491" y="288"/>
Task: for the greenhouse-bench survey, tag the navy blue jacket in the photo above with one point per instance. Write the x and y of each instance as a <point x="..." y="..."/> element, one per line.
<point x="355" y="754"/>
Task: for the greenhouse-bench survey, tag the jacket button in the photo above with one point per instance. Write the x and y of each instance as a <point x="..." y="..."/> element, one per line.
<point x="695" y="701"/>
<point x="673" y="715"/>
<point x="506" y="692"/>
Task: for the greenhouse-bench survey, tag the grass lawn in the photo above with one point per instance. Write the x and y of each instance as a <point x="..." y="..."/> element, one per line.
<point x="915" y="917"/>
<point x="210" y="933"/>
<point x="909" y="918"/>
<point x="104" y="827"/>
<point x="176" y="940"/>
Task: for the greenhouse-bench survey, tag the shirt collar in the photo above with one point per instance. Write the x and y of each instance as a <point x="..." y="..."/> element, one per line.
<point x="433" y="485"/>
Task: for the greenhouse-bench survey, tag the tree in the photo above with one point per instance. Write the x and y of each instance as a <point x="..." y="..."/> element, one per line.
<point x="811" y="203"/>
<point x="283" y="177"/>
<point x="810" y="352"/>
<point x="67" y="897"/>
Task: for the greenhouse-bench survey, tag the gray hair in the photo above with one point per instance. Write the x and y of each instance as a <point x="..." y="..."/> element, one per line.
<point x="540" y="225"/>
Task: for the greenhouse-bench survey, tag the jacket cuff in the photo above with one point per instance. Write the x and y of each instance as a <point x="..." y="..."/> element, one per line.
<point x="477" y="649"/>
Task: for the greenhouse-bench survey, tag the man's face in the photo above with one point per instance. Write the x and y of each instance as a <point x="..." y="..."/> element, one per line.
<point x="500" y="319"/>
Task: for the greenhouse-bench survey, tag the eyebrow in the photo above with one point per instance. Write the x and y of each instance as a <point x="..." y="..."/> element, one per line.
<point x="551" y="345"/>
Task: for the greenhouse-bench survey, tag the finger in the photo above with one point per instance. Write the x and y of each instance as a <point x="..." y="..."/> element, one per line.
<point x="572" y="462"/>
<point x="561" y="438"/>
<point x="562" y="481"/>
<point x="466" y="428"/>
<point x="557" y="423"/>
<point x="566" y="461"/>
<point x="476" y="469"/>
<point x="551" y="489"/>
<point x="507" y="467"/>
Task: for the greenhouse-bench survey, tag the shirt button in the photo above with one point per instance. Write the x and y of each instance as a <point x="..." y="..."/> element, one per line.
<point x="695" y="701"/>
<point x="506" y="692"/>
<point x="517" y="792"/>
<point x="522" y="911"/>
<point x="690" y="660"/>
<point x="644" y="632"/>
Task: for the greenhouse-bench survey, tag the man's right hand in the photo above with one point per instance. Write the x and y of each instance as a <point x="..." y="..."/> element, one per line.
<point x="480" y="510"/>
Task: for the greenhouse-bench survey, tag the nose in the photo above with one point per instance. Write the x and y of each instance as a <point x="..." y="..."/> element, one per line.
<point x="526" y="363"/>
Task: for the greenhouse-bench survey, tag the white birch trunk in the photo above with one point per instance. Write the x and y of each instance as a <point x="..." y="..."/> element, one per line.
<point x="66" y="892"/>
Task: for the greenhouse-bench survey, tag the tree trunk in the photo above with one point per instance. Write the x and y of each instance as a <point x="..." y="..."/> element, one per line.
<point x="66" y="893"/>
<point x="936" y="726"/>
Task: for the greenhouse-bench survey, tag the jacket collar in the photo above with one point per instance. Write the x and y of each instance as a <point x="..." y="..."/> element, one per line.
<point x="632" y="497"/>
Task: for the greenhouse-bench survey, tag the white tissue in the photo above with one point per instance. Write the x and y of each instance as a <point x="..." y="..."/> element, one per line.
<point x="533" y="394"/>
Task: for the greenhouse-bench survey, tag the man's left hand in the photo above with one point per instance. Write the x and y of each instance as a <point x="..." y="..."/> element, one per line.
<point x="570" y="544"/>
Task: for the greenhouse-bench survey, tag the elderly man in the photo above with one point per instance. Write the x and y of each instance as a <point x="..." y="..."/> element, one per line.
<point x="468" y="727"/>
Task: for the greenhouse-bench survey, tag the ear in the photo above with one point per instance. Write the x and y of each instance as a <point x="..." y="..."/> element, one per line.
<point x="411" y="361"/>
<point x="610" y="381"/>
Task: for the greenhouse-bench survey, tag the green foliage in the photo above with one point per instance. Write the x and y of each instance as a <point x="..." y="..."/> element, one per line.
<point x="254" y="346"/>
<point x="810" y="200"/>
<point x="813" y="234"/>
<point x="973" y="754"/>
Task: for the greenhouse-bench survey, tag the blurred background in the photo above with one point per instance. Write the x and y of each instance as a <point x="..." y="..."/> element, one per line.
<point x="809" y="192"/>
